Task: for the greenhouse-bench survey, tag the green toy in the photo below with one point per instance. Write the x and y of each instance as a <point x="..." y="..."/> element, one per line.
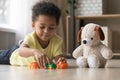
<point x="51" y="66"/>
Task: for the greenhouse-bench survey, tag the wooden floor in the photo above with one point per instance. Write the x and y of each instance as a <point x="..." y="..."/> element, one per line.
<point x="8" y="72"/>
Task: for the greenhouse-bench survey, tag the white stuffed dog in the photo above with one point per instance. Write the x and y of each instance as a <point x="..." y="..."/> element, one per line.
<point x="92" y="52"/>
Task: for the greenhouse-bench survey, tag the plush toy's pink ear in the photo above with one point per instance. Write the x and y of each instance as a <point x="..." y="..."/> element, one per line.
<point x="79" y="34"/>
<point x="100" y="33"/>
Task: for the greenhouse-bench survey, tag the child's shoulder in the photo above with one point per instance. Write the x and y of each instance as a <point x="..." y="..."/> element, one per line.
<point x="32" y="34"/>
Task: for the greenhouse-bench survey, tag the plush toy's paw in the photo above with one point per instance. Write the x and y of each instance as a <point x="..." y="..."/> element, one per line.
<point x="78" y="52"/>
<point x="107" y="54"/>
<point x="93" y="61"/>
<point x="81" y="62"/>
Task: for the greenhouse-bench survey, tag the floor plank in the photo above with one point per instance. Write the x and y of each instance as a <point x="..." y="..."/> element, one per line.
<point x="8" y="72"/>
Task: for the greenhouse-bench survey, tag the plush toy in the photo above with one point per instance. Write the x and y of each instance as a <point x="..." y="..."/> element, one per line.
<point x="92" y="52"/>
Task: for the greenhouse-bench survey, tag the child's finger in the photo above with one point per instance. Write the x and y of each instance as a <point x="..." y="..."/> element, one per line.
<point x="38" y="61"/>
<point x="44" y="62"/>
<point x="41" y="62"/>
<point x="48" y="60"/>
<point x="58" y="60"/>
<point x="61" y="59"/>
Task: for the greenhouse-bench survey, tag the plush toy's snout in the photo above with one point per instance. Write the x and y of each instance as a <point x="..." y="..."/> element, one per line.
<point x="84" y="42"/>
<point x="87" y="41"/>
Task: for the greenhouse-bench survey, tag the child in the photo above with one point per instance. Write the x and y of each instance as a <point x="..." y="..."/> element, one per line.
<point x="42" y="45"/>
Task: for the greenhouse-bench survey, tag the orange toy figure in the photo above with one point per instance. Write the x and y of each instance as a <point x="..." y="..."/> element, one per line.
<point x="34" y="65"/>
<point x="62" y="65"/>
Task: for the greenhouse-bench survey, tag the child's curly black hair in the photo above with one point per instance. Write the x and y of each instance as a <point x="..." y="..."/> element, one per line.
<point x="45" y="8"/>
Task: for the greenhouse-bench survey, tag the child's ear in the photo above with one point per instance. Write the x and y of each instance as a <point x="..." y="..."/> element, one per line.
<point x="33" y="25"/>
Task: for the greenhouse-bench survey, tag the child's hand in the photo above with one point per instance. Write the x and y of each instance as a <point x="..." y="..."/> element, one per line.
<point x="59" y="58"/>
<point x="42" y="59"/>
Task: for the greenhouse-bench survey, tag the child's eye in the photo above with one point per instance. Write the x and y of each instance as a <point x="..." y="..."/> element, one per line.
<point x="42" y="27"/>
<point x="51" y="28"/>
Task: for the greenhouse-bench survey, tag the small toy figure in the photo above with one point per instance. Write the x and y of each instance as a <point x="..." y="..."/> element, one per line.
<point x="51" y="66"/>
<point x="34" y="65"/>
<point x="62" y="65"/>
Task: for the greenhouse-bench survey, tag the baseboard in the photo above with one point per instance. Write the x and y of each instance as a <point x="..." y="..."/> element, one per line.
<point x="116" y="56"/>
<point x="114" y="62"/>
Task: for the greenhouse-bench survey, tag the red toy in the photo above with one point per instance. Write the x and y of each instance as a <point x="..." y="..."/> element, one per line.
<point x="34" y="65"/>
<point x="62" y="65"/>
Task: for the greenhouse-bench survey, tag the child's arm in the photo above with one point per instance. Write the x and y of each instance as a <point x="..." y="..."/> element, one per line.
<point x="25" y="51"/>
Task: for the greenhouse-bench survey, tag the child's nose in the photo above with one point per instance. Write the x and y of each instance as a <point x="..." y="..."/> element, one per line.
<point x="46" y="30"/>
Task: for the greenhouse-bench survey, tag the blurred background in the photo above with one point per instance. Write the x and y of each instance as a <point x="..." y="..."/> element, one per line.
<point x="15" y="20"/>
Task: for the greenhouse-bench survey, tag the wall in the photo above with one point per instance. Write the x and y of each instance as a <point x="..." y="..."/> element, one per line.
<point x="7" y="38"/>
<point x="20" y="17"/>
<point x="113" y="6"/>
<point x="113" y="24"/>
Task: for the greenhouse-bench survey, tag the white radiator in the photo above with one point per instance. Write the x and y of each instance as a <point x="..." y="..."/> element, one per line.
<point x="108" y="36"/>
<point x="7" y="38"/>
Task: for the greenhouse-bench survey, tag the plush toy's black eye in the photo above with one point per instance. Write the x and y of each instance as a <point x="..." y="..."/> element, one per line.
<point x="91" y="38"/>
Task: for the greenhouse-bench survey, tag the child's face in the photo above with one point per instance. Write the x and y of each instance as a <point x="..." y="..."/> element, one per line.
<point x="45" y="27"/>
